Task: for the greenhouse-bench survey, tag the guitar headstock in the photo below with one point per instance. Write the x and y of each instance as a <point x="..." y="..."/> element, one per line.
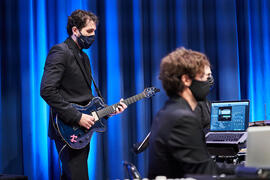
<point x="151" y="91"/>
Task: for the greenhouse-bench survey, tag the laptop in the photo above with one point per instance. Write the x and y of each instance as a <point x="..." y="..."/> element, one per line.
<point x="229" y="121"/>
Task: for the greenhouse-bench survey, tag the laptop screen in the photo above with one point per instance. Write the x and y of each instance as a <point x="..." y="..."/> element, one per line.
<point x="229" y="115"/>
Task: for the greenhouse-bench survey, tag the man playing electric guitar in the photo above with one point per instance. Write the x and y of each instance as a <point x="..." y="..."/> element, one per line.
<point x="67" y="80"/>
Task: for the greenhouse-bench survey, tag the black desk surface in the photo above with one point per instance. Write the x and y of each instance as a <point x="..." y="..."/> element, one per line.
<point x="12" y="177"/>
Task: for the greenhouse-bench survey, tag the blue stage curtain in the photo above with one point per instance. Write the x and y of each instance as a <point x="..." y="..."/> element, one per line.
<point x="132" y="38"/>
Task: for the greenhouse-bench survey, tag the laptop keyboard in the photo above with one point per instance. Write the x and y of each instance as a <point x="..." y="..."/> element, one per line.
<point x="224" y="137"/>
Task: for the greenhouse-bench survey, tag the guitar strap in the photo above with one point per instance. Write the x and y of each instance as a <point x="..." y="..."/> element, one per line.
<point x="96" y="88"/>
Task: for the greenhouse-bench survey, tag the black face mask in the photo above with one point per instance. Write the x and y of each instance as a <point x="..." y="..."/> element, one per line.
<point x="200" y="89"/>
<point x="85" y="41"/>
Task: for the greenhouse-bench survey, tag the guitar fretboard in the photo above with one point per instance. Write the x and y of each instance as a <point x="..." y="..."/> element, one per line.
<point x="110" y="109"/>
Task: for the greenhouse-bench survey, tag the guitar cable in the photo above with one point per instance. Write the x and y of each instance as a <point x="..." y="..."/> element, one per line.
<point x="59" y="154"/>
<point x="59" y="165"/>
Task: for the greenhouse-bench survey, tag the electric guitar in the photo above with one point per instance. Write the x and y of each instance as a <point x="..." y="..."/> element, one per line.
<point x="78" y="137"/>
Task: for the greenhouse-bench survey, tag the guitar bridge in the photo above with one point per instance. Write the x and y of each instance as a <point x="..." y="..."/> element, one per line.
<point x="75" y="128"/>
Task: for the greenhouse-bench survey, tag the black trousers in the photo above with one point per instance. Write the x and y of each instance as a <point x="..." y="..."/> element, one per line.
<point x="74" y="162"/>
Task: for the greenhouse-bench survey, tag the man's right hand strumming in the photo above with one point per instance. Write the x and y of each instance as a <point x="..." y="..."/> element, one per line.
<point x="87" y="121"/>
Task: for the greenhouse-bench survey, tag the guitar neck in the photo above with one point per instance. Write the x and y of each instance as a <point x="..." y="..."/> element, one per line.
<point x="111" y="109"/>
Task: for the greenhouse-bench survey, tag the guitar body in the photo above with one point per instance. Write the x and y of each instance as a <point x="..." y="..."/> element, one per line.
<point x="78" y="137"/>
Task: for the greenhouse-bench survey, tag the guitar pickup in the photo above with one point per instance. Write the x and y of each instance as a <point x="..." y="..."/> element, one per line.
<point x="94" y="114"/>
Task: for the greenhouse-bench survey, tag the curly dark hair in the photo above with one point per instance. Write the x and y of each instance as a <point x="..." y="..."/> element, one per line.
<point x="79" y="18"/>
<point x="177" y="63"/>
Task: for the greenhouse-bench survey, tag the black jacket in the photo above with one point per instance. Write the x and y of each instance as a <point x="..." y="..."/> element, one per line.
<point x="66" y="79"/>
<point x="177" y="142"/>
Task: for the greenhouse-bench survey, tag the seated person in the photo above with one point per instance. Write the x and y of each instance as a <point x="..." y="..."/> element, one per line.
<point x="177" y="141"/>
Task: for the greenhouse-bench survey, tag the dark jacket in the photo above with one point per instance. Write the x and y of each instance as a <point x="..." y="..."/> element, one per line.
<point x="206" y="114"/>
<point x="177" y="142"/>
<point x="66" y="79"/>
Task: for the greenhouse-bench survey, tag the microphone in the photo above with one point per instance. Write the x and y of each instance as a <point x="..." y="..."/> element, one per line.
<point x="132" y="170"/>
